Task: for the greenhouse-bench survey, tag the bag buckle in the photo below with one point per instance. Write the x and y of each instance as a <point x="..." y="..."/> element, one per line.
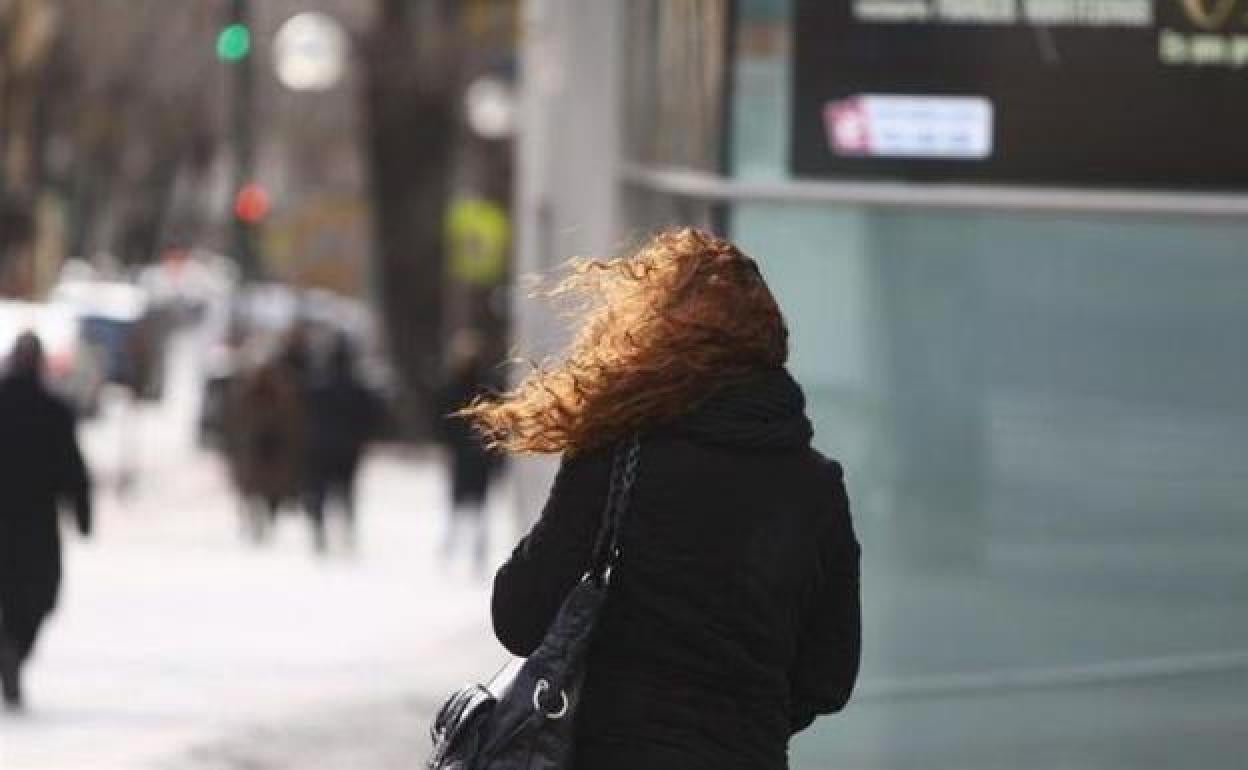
<point x="541" y="689"/>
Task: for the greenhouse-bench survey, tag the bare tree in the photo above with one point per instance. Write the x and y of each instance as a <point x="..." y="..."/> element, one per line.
<point x="131" y="107"/>
<point x="412" y="57"/>
<point x="27" y="31"/>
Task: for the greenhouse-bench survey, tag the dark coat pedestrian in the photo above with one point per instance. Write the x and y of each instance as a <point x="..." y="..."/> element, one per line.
<point x="264" y="441"/>
<point x="343" y="415"/>
<point x="472" y="466"/>
<point x="734" y="620"/>
<point x="732" y="617"/>
<point x="42" y="467"/>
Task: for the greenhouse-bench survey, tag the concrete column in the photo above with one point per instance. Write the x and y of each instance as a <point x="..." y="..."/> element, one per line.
<point x="567" y="150"/>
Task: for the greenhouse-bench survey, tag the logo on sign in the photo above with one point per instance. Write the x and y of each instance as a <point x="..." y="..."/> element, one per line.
<point x="846" y="125"/>
<point x="1209" y="14"/>
<point x="910" y="126"/>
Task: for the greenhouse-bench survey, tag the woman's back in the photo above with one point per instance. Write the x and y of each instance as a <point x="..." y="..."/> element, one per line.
<point x="733" y="616"/>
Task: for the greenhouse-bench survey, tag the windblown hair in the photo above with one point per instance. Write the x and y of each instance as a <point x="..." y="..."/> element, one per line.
<point x="656" y="333"/>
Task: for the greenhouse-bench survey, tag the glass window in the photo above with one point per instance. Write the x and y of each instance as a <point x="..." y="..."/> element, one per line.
<point x="674" y="71"/>
<point x="760" y="93"/>
<point x="647" y="211"/>
<point x="1043" y="419"/>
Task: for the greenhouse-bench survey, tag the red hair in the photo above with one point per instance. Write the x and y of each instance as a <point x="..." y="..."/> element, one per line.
<point x="657" y="332"/>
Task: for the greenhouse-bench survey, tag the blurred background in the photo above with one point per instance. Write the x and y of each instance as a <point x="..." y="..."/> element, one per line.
<point x="1008" y="236"/>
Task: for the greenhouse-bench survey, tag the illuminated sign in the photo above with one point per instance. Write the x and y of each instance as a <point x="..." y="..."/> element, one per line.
<point x="1124" y="94"/>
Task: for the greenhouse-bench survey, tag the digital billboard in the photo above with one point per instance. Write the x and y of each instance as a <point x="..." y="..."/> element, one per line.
<point x="1122" y="94"/>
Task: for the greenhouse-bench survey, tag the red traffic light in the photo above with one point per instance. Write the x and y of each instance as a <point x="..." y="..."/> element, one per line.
<point x="252" y="203"/>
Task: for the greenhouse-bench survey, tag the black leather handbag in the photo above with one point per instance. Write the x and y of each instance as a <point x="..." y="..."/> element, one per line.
<point x="525" y="721"/>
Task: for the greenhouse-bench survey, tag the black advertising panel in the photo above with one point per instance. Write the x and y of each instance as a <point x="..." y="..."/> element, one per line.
<point x="1143" y="94"/>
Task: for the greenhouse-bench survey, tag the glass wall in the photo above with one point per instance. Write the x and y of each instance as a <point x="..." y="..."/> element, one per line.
<point x="674" y="75"/>
<point x="1044" y="420"/>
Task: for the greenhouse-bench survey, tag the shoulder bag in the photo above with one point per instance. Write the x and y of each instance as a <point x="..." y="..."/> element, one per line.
<point x="524" y="720"/>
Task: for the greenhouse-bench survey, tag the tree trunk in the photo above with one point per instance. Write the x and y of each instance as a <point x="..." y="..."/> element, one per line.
<point x="27" y="31"/>
<point x="412" y="66"/>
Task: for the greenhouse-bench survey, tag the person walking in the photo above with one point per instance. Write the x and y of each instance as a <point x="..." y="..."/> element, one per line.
<point x="343" y="415"/>
<point x="264" y="425"/>
<point x="471" y="465"/>
<point x="43" y="466"/>
<point x="733" y="616"/>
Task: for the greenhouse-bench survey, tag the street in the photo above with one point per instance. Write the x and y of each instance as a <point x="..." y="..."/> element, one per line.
<point x="173" y="631"/>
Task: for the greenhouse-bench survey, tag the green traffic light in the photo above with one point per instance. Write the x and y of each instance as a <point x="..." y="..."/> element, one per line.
<point x="234" y="42"/>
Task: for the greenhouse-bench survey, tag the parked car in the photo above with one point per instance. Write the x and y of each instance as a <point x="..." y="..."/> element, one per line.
<point x="74" y="368"/>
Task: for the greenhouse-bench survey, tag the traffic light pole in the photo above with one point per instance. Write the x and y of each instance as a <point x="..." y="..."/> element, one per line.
<point x="242" y="88"/>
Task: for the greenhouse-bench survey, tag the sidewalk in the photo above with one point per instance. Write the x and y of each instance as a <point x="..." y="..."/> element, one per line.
<point x="378" y="737"/>
<point x="957" y="694"/>
<point x="173" y="633"/>
<point x="389" y="734"/>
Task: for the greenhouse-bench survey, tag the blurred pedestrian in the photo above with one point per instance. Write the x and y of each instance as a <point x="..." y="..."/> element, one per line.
<point x="343" y="415"/>
<point x="471" y="464"/>
<point x="264" y="443"/>
<point x="733" y="614"/>
<point x="295" y="353"/>
<point x="42" y="466"/>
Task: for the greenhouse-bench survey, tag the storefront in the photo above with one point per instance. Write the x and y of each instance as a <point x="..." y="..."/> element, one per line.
<point x="1018" y="318"/>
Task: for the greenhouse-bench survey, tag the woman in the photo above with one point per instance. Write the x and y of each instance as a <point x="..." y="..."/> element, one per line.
<point x="343" y="416"/>
<point x="733" y="618"/>
<point x="471" y="466"/>
<point x="265" y="427"/>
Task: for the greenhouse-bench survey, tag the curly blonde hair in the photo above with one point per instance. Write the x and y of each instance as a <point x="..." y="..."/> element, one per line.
<point x="657" y="332"/>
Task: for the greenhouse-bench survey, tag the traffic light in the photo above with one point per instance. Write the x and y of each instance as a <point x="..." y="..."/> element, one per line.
<point x="252" y="203"/>
<point x="234" y="42"/>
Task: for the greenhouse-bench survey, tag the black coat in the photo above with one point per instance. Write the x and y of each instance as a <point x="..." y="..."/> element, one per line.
<point x="343" y="416"/>
<point x="471" y="464"/>
<point x="41" y="465"/>
<point x="733" y="619"/>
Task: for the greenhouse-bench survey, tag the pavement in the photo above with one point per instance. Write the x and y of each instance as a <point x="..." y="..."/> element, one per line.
<point x="178" y="644"/>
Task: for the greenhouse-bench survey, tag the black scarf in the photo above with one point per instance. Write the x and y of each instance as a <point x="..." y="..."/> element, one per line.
<point x="764" y="411"/>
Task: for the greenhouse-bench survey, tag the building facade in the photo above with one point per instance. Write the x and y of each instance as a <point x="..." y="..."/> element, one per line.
<point x="1039" y="393"/>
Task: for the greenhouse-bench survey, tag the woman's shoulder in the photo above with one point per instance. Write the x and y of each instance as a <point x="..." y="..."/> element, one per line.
<point x="826" y="469"/>
<point x="587" y="460"/>
<point x="832" y="511"/>
<point x="584" y="471"/>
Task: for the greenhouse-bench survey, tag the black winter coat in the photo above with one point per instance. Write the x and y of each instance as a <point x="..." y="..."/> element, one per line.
<point x="733" y="619"/>
<point x="41" y="464"/>
<point x="471" y="465"/>
<point x="343" y="416"/>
